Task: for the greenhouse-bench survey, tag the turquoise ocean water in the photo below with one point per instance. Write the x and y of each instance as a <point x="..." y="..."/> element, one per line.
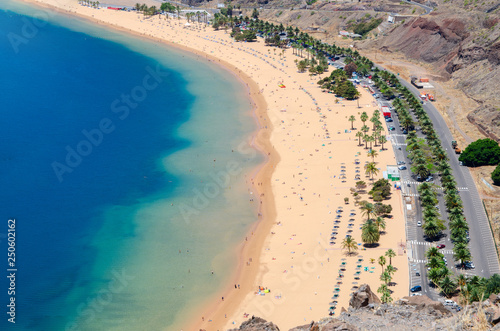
<point x="124" y="164"/>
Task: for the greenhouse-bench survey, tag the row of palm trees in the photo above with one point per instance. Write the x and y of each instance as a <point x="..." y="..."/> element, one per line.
<point x="146" y="10"/>
<point x="439" y="274"/>
<point x="298" y="40"/>
<point x="376" y="136"/>
<point x="433" y="225"/>
<point x="93" y="4"/>
<point x="471" y="289"/>
<point x="426" y="155"/>
<point x="372" y="227"/>
<point x="200" y="16"/>
<point x="386" y="276"/>
<point x="318" y="64"/>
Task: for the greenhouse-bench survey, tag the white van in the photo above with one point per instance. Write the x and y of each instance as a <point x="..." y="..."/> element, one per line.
<point x="449" y="303"/>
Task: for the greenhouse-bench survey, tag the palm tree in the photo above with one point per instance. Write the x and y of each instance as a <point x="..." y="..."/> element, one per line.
<point x="435" y="262"/>
<point x="390" y="269"/>
<point x="371" y="169"/>
<point x="368" y="209"/>
<point x="380" y="223"/>
<point x="369" y="233"/>
<point x="461" y="280"/>
<point x="386" y="297"/>
<point x="390" y="254"/>
<point x="352" y="119"/>
<point x="350" y="244"/>
<point x="382" y="139"/>
<point x="382" y="289"/>
<point x="433" y="275"/>
<point x="382" y="261"/>
<point x="372" y="153"/>
<point x="461" y="254"/>
<point x="386" y="277"/>
<point x="364" y="117"/>
<point x="301" y="65"/>
<point x="448" y="286"/>
<point x="365" y="128"/>
<point x="366" y="138"/>
<point x="433" y="227"/>
<point x="359" y="135"/>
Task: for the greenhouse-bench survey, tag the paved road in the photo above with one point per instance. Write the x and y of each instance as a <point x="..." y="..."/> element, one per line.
<point x="426" y="8"/>
<point x="481" y="243"/>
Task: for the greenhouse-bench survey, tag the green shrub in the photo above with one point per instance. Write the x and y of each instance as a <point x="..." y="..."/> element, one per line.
<point x="382" y="187"/>
<point x="495" y="175"/>
<point x="365" y="27"/>
<point x="481" y="152"/>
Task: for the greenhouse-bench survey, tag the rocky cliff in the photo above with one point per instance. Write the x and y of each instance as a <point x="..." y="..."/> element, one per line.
<point x="409" y="313"/>
<point x="462" y="45"/>
<point x="460" y="39"/>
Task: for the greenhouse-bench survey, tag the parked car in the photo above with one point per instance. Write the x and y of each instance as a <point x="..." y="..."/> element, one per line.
<point x="419" y="223"/>
<point x="391" y="128"/>
<point x="429" y="179"/>
<point x="389" y="119"/>
<point x="415" y="294"/>
<point x="449" y="303"/>
<point x="401" y="162"/>
<point x="416" y="288"/>
<point x="440" y="246"/>
<point x="417" y="273"/>
<point x="402" y="167"/>
<point x="470" y="265"/>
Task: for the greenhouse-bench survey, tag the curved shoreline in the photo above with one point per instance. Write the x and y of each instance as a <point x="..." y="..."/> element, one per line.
<point x="315" y="140"/>
<point x="262" y="174"/>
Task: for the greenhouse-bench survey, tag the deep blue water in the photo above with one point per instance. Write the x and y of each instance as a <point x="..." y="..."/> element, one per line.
<point x="60" y="83"/>
<point x="105" y="141"/>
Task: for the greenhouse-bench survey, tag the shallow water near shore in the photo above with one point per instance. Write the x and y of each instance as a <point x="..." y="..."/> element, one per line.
<point x="124" y="163"/>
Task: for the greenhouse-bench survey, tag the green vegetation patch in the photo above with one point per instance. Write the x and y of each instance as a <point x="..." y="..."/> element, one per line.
<point x="364" y="27"/>
<point x="481" y="152"/>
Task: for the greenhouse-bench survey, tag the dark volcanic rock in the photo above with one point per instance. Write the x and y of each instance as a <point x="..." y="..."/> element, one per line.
<point x="257" y="324"/>
<point x="332" y="325"/>
<point x="363" y="297"/>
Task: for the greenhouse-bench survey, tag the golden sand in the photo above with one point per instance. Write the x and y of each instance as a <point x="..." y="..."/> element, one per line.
<point x="310" y="144"/>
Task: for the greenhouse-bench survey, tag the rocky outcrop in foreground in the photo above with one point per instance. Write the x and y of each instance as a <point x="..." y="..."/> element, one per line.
<point x="409" y="313"/>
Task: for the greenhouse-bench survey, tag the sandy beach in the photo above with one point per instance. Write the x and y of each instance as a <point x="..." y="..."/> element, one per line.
<point x="313" y="161"/>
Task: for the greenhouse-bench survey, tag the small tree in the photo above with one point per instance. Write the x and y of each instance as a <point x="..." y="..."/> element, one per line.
<point x="352" y="119"/>
<point x="382" y="261"/>
<point x="390" y="254"/>
<point x="495" y="175"/>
